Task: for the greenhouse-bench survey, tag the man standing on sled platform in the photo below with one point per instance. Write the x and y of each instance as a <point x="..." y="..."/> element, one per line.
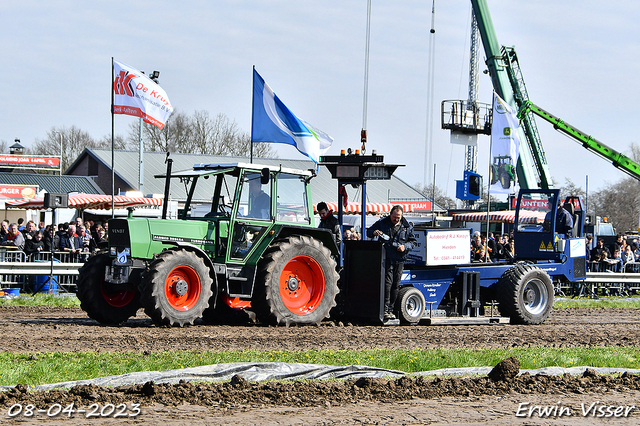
<point x="396" y="233"/>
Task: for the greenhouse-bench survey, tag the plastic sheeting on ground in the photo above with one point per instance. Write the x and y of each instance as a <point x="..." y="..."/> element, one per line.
<point x="261" y="371"/>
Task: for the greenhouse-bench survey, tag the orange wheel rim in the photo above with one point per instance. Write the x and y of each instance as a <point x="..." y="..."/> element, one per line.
<point x="236" y="302"/>
<point x="182" y="288"/>
<point x="117" y="299"/>
<point x="302" y="285"/>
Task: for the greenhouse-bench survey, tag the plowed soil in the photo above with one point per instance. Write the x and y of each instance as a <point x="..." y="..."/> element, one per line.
<point x="363" y="401"/>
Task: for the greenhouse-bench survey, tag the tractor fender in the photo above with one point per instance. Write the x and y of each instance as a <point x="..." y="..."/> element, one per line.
<point x="207" y="261"/>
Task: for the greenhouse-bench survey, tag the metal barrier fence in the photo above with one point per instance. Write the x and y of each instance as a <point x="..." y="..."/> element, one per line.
<point x="22" y="271"/>
<point x="18" y="270"/>
<point x="604" y="279"/>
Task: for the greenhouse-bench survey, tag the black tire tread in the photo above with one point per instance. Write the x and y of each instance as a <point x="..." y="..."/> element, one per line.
<point x="509" y="294"/>
<point x="89" y="293"/>
<point x="263" y="303"/>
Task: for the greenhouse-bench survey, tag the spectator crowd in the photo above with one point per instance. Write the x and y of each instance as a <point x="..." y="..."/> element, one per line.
<point x="77" y="238"/>
<point x="621" y="256"/>
<point x="491" y="248"/>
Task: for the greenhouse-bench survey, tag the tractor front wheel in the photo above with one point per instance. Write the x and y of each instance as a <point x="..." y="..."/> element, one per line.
<point x="297" y="282"/>
<point x="177" y="287"/>
<point x="100" y="300"/>
<point x="526" y="294"/>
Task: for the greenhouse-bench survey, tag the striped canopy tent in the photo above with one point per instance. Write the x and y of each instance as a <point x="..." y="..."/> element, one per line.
<point x="89" y="201"/>
<point x="372" y="208"/>
<point x="506" y="216"/>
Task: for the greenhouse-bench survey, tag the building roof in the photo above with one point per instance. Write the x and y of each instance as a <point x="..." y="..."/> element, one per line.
<point x="323" y="187"/>
<point x="52" y="183"/>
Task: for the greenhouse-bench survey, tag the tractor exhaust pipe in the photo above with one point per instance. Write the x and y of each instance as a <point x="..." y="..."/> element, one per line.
<point x="167" y="184"/>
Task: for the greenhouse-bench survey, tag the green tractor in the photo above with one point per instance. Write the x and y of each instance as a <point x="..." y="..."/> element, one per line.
<point x="245" y="243"/>
<point x="503" y="170"/>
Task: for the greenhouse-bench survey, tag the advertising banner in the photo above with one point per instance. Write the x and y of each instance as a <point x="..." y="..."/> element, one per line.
<point x="18" y="191"/>
<point x="32" y="162"/>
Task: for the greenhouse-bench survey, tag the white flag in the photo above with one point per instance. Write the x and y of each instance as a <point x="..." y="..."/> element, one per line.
<point x="505" y="147"/>
<point x="136" y="94"/>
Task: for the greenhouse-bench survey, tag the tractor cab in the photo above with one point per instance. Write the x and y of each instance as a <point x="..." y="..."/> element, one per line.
<point x="243" y="202"/>
<point x="537" y="234"/>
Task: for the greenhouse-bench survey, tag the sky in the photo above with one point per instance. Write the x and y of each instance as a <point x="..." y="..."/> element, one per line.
<point x="580" y="60"/>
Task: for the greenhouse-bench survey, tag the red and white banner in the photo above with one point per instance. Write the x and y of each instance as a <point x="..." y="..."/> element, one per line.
<point x="372" y="208"/>
<point x="506" y="216"/>
<point x="89" y="201"/>
<point x="29" y="161"/>
<point x="136" y="94"/>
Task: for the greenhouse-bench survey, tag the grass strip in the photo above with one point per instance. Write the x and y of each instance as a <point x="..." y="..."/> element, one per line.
<point x="603" y="302"/>
<point x="40" y="299"/>
<point x="52" y="367"/>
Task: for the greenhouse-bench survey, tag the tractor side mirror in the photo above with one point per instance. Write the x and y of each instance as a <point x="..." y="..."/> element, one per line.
<point x="264" y="176"/>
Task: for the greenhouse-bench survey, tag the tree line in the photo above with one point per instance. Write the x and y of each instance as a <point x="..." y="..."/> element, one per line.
<point x="199" y="133"/>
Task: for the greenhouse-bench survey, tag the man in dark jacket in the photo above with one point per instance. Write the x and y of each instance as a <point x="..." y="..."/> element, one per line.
<point x="329" y="221"/>
<point x="564" y="222"/>
<point x="398" y="239"/>
<point x="69" y="242"/>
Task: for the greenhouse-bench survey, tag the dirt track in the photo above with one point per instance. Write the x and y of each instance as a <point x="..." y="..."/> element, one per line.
<point x="37" y="329"/>
<point x="404" y="401"/>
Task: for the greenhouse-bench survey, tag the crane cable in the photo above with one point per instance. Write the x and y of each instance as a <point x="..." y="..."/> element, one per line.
<point x="363" y="133"/>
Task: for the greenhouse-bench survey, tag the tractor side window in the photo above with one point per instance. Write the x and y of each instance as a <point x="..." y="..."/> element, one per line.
<point x="292" y="199"/>
<point x="226" y="185"/>
<point x="203" y="203"/>
<point x="535" y="213"/>
<point x="255" y="198"/>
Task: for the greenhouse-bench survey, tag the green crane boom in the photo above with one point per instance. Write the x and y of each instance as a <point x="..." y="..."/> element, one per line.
<point x="508" y="83"/>
<point x="618" y="159"/>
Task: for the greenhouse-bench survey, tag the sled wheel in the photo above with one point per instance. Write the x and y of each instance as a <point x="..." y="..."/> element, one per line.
<point x="99" y="299"/>
<point x="229" y="310"/>
<point x="410" y="305"/>
<point x="526" y="294"/>
<point x="297" y="282"/>
<point x="177" y="288"/>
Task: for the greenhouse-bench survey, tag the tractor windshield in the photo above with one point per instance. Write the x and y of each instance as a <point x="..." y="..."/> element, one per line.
<point x="535" y="212"/>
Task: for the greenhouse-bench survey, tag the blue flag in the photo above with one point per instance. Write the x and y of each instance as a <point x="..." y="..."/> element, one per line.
<point x="273" y="122"/>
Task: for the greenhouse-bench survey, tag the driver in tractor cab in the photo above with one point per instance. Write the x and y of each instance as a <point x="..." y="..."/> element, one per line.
<point x="564" y="222"/>
<point x="260" y="200"/>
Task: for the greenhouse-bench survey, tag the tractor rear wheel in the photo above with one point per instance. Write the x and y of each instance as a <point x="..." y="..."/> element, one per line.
<point x="177" y="288"/>
<point x="297" y="282"/>
<point x="100" y="300"/>
<point x="526" y="294"/>
<point x="410" y="305"/>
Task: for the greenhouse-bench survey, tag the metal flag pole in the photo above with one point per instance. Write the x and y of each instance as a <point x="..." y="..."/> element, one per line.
<point x="252" y="100"/>
<point x="113" y="155"/>
<point x="489" y="184"/>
